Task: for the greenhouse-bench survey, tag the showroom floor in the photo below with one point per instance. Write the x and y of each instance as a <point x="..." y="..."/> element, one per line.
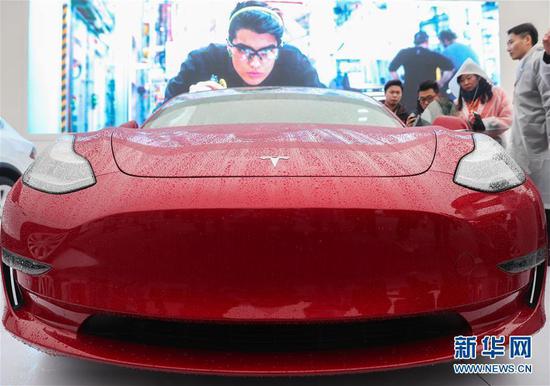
<point x="22" y="365"/>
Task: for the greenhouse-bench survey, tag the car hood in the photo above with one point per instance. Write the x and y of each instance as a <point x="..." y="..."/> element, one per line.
<point x="273" y="150"/>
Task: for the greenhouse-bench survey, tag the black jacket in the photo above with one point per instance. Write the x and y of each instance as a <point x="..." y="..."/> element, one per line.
<point x="399" y="111"/>
<point x="420" y="64"/>
<point x="292" y="68"/>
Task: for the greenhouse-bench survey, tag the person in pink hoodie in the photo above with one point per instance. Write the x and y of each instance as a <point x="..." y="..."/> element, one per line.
<point x="484" y="106"/>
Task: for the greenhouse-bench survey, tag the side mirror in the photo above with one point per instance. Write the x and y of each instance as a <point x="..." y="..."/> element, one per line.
<point x="130" y="125"/>
<point x="451" y="123"/>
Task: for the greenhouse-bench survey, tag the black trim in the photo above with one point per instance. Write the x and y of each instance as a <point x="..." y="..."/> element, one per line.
<point x="276" y="337"/>
<point x="15" y="299"/>
<point x="9" y="171"/>
<point x="537" y="281"/>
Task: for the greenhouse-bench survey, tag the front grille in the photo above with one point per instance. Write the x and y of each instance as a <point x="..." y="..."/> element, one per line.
<point x="264" y="337"/>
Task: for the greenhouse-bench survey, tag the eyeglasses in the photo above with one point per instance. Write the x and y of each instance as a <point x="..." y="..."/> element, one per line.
<point x="245" y="53"/>
<point x="427" y="99"/>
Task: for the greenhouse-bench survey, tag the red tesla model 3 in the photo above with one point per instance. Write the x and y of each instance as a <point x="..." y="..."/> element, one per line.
<point x="272" y="231"/>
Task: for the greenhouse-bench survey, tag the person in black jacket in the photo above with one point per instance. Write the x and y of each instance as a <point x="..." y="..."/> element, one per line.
<point x="393" y="90"/>
<point x="253" y="56"/>
<point x="420" y="64"/>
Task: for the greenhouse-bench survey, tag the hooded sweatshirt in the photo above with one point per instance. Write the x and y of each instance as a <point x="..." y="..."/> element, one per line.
<point x="496" y="113"/>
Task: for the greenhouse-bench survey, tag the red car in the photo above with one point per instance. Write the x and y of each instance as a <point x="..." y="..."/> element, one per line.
<point x="272" y="231"/>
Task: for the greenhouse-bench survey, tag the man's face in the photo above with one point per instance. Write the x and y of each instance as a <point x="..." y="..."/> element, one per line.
<point x="251" y="68"/>
<point x="426" y="97"/>
<point x="518" y="45"/>
<point x="393" y="95"/>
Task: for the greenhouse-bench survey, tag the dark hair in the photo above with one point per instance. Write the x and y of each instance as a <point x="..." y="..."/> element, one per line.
<point x="420" y="37"/>
<point x="525" y="29"/>
<point x="484" y="92"/>
<point x="427" y="85"/>
<point x="447" y="34"/>
<point x="394" y="82"/>
<point x="255" y="20"/>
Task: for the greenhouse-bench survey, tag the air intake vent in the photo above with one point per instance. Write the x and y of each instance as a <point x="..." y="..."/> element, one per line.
<point x="263" y="337"/>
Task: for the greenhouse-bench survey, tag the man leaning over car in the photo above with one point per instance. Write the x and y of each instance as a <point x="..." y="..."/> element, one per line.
<point x="253" y="56"/>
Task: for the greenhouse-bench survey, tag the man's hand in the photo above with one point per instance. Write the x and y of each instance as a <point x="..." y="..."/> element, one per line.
<point x="546" y="42"/>
<point x="208" y="85"/>
<point x="411" y="120"/>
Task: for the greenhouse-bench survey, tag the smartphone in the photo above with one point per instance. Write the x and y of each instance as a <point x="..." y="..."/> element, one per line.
<point x="478" y="123"/>
<point x="416" y="119"/>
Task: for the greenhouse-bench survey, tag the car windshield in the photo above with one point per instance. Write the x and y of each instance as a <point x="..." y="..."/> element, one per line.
<point x="272" y="108"/>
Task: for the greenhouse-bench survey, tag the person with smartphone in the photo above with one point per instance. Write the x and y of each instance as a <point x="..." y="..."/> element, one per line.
<point x="484" y="106"/>
<point x="419" y="64"/>
<point x="429" y="93"/>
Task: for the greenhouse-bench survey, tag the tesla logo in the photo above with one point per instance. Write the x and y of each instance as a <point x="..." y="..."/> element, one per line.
<point x="274" y="160"/>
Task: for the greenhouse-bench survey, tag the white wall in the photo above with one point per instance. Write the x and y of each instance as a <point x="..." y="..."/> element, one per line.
<point x="14" y="64"/>
<point x="44" y="99"/>
<point x="14" y="27"/>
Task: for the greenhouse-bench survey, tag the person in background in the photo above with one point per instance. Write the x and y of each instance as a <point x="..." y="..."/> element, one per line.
<point x="529" y="141"/>
<point x="546" y="56"/>
<point x="456" y="52"/>
<point x="341" y="81"/>
<point x="420" y="64"/>
<point x="428" y="92"/>
<point x="254" y="55"/>
<point x="393" y="90"/>
<point x="482" y="105"/>
<point x="546" y="77"/>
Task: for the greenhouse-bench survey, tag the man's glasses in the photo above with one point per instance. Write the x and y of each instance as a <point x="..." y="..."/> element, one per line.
<point x="427" y="99"/>
<point x="245" y="53"/>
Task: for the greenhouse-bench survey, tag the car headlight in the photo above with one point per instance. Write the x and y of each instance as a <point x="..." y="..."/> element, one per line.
<point x="488" y="168"/>
<point x="59" y="169"/>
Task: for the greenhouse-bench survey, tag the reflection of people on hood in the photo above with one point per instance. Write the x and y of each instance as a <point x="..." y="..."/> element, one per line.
<point x="477" y="96"/>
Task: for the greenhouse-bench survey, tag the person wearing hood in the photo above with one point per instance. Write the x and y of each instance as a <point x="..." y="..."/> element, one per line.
<point x="530" y="131"/>
<point x="484" y="106"/>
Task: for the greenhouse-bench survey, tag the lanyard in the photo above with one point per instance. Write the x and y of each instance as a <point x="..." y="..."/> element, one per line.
<point x="473" y="105"/>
